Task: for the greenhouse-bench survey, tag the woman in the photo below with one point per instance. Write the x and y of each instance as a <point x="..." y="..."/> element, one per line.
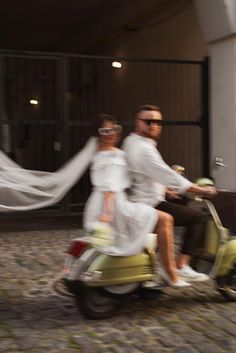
<point x="108" y="203"/>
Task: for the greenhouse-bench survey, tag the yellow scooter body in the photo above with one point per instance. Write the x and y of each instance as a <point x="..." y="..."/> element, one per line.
<point x="226" y="258"/>
<point x="106" y="270"/>
<point x="219" y="248"/>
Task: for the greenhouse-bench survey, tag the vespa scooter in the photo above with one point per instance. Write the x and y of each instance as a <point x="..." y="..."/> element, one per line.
<point x="99" y="282"/>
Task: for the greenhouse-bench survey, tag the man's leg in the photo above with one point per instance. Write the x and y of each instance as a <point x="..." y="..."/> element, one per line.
<point x="189" y="218"/>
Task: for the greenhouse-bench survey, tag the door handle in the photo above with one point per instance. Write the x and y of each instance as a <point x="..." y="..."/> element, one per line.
<point x="219" y="162"/>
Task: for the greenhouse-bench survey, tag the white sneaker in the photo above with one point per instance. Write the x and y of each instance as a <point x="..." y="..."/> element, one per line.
<point x="179" y="284"/>
<point x="150" y="285"/>
<point x="188" y="274"/>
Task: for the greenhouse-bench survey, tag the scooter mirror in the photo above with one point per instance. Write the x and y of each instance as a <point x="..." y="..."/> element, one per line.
<point x="204" y="182"/>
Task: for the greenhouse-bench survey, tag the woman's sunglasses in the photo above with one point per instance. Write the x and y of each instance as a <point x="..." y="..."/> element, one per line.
<point x="150" y="122"/>
<point x="106" y="131"/>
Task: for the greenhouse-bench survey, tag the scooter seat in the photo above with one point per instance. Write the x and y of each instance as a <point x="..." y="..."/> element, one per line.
<point x="151" y="241"/>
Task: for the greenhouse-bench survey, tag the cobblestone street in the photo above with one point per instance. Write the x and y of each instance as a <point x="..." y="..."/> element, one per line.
<point x="33" y="319"/>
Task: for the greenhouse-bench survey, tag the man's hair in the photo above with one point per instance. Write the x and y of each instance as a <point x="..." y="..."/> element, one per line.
<point x="148" y="107"/>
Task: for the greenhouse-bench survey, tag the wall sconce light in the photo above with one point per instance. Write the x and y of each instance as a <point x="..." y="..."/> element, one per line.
<point x="34" y="101"/>
<point x="116" y="64"/>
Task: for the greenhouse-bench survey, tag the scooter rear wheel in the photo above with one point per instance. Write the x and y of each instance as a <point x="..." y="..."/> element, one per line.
<point x="226" y="285"/>
<point x="94" y="303"/>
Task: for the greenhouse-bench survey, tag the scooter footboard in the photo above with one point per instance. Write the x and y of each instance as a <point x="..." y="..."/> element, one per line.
<point x="108" y="270"/>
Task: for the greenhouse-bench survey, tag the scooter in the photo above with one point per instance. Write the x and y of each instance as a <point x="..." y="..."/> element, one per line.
<point x="217" y="256"/>
<point x="99" y="282"/>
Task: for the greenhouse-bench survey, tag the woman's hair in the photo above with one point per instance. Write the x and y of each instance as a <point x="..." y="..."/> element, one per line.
<point x="102" y="118"/>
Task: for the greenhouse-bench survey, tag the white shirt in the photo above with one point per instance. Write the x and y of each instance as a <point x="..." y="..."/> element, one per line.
<point x="149" y="173"/>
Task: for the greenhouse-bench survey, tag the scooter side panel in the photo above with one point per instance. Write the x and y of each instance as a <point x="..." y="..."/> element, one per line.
<point x="108" y="270"/>
<point x="212" y="239"/>
<point x="226" y="258"/>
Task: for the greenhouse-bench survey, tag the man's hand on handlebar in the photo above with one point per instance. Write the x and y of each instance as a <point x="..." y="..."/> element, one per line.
<point x="205" y="191"/>
<point x="209" y="192"/>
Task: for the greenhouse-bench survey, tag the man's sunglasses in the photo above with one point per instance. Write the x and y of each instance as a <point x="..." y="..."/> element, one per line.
<point x="150" y="122"/>
<point x="106" y="131"/>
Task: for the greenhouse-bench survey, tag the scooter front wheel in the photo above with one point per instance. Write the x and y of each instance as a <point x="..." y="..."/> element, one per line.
<point x="226" y="285"/>
<point x="94" y="303"/>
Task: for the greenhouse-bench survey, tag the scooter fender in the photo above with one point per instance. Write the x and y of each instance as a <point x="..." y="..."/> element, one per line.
<point x="226" y="258"/>
<point x="108" y="270"/>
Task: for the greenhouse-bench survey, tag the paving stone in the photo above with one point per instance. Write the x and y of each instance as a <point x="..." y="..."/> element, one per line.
<point x="124" y="349"/>
<point x="209" y="348"/>
<point x="136" y="334"/>
<point x="198" y="325"/>
<point x="27" y="342"/>
<point x="54" y="344"/>
<point x="215" y="334"/>
<point x="231" y="329"/>
<point x="232" y="318"/>
<point x="85" y="344"/>
<point x="184" y="349"/>
<point x="19" y="332"/>
<point x="194" y="338"/>
<point x="7" y="344"/>
<point x="227" y="343"/>
<point x="34" y="319"/>
<point x="6" y="315"/>
<point x="4" y="333"/>
<point x="67" y="350"/>
<point x="171" y="341"/>
<point x="157" y="331"/>
<point x="13" y="351"/>
<point x="112" y="337"/>
<point x="178" y="328"/>
<point x="147" y="347"/>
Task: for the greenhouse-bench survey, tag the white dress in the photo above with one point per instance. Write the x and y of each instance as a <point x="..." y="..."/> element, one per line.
<point x="132" y="221"/>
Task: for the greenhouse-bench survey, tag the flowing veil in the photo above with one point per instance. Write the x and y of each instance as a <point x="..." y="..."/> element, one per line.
<point x="22" y="190"/>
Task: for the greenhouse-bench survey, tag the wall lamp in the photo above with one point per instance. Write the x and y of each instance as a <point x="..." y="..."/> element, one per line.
<point x="116" y="64"/>
<point x="34" y="101"/>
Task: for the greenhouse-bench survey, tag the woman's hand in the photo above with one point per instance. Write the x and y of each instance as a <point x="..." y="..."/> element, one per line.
<point x="108" y="207"/>
<point x="105" y="218"/>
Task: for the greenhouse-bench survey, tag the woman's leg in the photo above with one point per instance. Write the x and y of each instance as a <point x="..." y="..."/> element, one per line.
<point x="164" y="229"/>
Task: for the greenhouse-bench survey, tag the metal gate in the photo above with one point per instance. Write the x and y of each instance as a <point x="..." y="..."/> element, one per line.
<point x="48" y="106"/>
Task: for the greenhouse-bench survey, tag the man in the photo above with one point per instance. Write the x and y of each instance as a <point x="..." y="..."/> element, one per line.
<point x="153" y="180"/>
